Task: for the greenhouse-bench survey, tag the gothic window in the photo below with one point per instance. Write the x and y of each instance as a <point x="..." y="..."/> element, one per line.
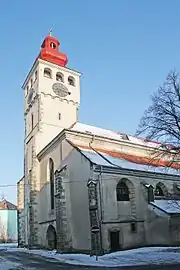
<point x="59" y="77"/>
<point x="31" y="83"/>
<point x="51" y="177"/>
<point x="47" y="73"/>
<point x="158" y="191"/>
<point x="122" y="192"/>
<point x="71" y="81"/>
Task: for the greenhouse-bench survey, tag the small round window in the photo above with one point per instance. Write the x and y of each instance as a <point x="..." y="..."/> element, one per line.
<point x="53" y="45"/>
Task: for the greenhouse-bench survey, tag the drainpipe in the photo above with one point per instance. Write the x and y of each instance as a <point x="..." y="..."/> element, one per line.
<point x="100" y="213"/>
<point x="18" y="227"/>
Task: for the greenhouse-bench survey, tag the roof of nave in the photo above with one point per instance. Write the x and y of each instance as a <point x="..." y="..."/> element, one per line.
<point x="168" y="206"/>
<point x="125" y="161"/>
<point x="119" y="136"/>
<point x="81" y="128"/>
<point x="6" y="205"/>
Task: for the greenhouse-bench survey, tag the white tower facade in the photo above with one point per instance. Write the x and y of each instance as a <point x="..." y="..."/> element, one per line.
<point x="51" y="102"/>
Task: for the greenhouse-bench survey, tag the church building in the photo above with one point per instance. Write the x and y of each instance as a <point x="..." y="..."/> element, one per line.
<point x="88" y="189"/>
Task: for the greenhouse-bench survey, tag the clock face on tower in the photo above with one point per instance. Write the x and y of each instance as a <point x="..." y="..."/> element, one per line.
<point x="60" y="90"/>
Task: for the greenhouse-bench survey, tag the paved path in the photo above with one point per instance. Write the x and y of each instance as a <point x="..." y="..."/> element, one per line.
<point x="27" y="261"/>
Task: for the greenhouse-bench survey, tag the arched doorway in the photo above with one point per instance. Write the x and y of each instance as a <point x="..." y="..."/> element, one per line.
<point x="51" y="237"/>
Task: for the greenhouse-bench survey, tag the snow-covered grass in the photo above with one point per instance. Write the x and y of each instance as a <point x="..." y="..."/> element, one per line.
<point x="141" y="256"/>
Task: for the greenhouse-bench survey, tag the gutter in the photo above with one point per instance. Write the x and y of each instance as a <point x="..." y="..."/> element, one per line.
<point x="154" y="175"/>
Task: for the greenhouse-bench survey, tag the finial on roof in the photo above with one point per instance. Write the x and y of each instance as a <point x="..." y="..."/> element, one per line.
<point x="50" y="32"/>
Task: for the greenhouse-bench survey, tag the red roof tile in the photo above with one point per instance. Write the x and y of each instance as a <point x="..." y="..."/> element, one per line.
<point x="136" y="159"/>
<point x="7" y="205"/>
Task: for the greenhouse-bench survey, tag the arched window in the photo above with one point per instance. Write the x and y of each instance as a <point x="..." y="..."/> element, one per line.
<point x="122" y="191"/>
<point x="71" y="80"/>
<point x="51" y="177"/>
<point x="47" y="73"/>
<point x="59" y="77"/>
<point x="53" y="45"/>
<point x="159" y="191"/>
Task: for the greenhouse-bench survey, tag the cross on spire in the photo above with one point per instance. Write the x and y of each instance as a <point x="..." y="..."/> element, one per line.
<point x="50" y="32"/>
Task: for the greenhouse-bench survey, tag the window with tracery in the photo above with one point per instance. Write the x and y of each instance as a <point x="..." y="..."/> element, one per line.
<point x="158" y="191"/>
<point x="122" y="191"/>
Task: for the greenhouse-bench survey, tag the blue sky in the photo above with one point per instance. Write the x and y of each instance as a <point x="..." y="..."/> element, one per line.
<point x="123" y="48"/>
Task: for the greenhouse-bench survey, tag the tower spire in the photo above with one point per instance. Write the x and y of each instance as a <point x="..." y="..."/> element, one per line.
<point x="50" y="32"/>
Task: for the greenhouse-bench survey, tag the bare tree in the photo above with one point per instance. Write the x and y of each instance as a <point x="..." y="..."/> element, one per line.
<point x="161" y="121"/>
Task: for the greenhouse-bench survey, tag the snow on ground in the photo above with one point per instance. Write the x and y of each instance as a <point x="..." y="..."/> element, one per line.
<point x="8" y="245"/>
<point x="6" y="265"/>
<point x="141" y="256"/>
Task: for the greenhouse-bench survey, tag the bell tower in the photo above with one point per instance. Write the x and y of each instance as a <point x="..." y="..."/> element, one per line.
<point x="52" y="93"/>
<point x="51" y="102"/>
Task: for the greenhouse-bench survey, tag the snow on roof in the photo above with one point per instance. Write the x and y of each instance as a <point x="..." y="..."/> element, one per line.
<point x="112" y="134"/>
<point x="147" y="185"/>
<point x="107" y="160"/>
<point x="168" y="206"/>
